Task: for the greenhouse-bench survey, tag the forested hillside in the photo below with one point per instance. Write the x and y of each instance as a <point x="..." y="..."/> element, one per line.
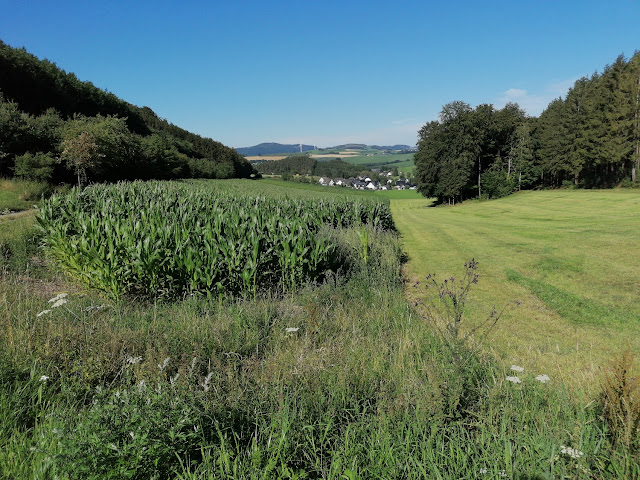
<point x="590" y="138"/>
<point x="56" y="128"/>
<point x="304" y="165"/>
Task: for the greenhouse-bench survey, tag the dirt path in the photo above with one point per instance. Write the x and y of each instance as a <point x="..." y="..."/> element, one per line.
<point x="14" y="215"/>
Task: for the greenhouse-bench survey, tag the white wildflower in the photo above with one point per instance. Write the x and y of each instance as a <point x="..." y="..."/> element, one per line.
<point x="543" y="378"/>
<point x="514" y="380"/>
<point x="44" y="312"/>
<point x="483" y="471"/>
<point x="43" y="378"/>
<point x="133" y="360"/>
<point x="292" y="329"/>
<point x="60" y="296"/>
<point x="207" y="381"/>
<point x="571" y="452"/>
<point x="516" y="368"/>
<point x="59" y="303"/>
<point x="132" y="435"/>
<point x="164" y="364"/>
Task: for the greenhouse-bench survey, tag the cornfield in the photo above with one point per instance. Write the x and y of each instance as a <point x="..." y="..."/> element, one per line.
<point x="167" y="239"/>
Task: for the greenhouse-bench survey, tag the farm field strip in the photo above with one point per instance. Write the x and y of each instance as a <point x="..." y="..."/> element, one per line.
<point x="171" y="239"/>
<point x="568" y="256"/>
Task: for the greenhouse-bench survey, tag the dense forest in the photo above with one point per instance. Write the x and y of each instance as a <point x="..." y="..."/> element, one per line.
<point x="590" y="139"/>
<point x="56" y="128"/>
<point x="305" y="165"/>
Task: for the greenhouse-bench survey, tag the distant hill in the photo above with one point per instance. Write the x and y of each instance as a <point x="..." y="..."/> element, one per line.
<point x="393" y="147"/>
<point x="277" y="148"/>
<point x="272" y="149"/>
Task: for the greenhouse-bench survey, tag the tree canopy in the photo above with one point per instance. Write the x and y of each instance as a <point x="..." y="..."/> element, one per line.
<point x="590" y="138"/>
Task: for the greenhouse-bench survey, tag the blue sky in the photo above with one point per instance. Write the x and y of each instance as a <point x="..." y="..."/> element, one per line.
<point x="323" y="72"/>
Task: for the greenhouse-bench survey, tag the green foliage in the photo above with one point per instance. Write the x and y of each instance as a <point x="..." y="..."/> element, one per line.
<point x="138" y="432"/>
<point x="589" y="139"/>
<point x="37" y="167"/>
<point x="458" y="150"/>
<point x="44" y="109"/>
<point x="19" y="239"/>
<point x="497" y="183"/>
<point x="296" y="164"/>
<point x="163" y="239"/>
<point x="304" y="165"/>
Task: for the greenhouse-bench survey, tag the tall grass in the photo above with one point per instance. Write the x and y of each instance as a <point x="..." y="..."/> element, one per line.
<point x="17" y="194"/>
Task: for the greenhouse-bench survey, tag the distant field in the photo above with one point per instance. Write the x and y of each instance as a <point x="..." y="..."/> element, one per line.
<point x="381" y="159"/>
<point x="327" y="156"/>
<point x="266" y="157"/>
<point x="570" y="257"/>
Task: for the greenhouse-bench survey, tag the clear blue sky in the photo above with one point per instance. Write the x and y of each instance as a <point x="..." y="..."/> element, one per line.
<point x="323" y="72"/>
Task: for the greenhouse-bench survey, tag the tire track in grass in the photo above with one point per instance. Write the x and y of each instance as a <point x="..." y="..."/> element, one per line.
<point x="570" y="306"/>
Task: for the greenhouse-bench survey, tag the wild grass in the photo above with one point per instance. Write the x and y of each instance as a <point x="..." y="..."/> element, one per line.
<point x="344" y="379"/>
<point x="17" y="195"/>
<point x="567" y="256"/>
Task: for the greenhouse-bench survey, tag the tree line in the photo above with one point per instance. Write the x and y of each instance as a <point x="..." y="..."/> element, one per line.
<point x="305" y="165"/>
<point x="590" y="138"/>
<point x="56" y="128"/>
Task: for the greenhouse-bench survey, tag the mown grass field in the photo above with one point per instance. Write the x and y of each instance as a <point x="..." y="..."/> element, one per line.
<point x="570" y="258"/>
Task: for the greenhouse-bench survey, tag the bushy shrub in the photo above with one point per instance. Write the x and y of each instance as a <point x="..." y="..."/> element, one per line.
<point x="37" y="167"/>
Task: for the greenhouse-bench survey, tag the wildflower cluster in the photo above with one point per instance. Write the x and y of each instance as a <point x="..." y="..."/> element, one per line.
<point x="544" y="378"/>
<point x="571" y="452"/>
<point x="55" y="302"/>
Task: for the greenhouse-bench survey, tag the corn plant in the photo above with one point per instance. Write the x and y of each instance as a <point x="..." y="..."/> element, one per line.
<point x="171" y="239"/>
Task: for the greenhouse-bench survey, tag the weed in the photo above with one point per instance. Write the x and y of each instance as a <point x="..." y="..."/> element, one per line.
<point x="620" y="401"/>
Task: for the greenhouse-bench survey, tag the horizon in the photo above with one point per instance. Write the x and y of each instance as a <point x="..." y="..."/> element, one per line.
<point x="328" y="74"/>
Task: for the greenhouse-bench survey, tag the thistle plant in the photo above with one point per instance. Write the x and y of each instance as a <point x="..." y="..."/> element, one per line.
<point x="452" y="295"/>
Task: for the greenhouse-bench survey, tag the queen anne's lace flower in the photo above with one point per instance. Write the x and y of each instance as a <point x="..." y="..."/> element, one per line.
<point x="516" y="368"/>
<point x="571" y="452"/>
<point x="514" y="380"/>
<point x="60" y="296"/>
<point x="292" y="329"/>
<point x="59" y="302"/>
<point x="543" y="378"/>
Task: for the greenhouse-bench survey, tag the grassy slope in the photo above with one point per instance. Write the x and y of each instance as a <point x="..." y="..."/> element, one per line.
<point x="569" y="257"/>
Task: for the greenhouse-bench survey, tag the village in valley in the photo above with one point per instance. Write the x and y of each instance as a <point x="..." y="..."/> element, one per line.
<point x="367" y="183"/>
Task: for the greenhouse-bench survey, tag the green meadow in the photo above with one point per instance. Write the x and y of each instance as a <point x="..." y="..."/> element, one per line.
<point x="402" y="161"/>
<point x="568" y="256"/>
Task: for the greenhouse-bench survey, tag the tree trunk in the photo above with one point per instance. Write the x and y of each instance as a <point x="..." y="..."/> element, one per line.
<point x="479" y="170"/>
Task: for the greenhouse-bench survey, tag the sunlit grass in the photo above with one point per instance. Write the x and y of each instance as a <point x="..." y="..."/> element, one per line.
<point x="569" y="257"/>
<point x="17" y="195"/>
